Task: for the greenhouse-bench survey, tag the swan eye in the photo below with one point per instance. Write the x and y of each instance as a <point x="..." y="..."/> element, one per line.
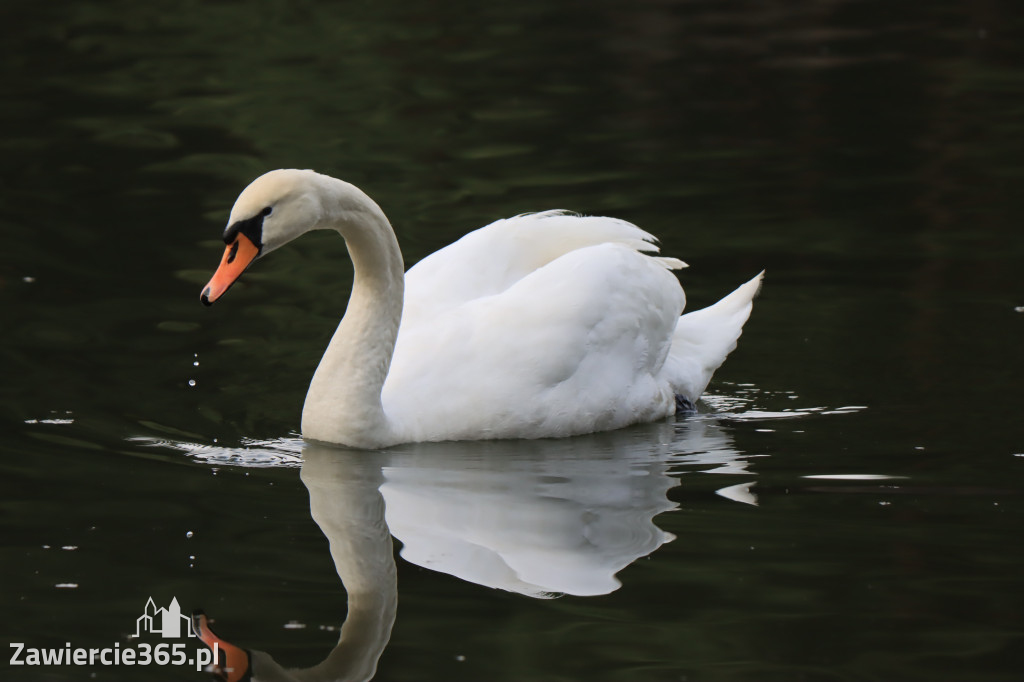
<point x="267" y="211"/>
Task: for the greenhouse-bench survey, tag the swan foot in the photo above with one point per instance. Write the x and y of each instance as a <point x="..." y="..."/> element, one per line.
<point x="684" y="405"/>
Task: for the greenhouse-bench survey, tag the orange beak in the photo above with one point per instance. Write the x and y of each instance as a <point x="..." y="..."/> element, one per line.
<point x="233" y="665"/>
<point x="238" y="255"/>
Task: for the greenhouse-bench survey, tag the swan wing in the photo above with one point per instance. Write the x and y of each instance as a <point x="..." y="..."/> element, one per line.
<point x="572" y="346"/>
<point x="491" y="259"/>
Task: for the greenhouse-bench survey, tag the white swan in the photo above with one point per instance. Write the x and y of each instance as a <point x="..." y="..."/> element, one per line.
<point x="541" y="325"/>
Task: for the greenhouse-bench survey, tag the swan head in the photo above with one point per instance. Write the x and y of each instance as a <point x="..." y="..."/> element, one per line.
<point x="274" y="209"/>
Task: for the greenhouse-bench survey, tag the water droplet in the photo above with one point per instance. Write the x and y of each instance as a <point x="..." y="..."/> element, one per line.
<point x="294" y="625"/>
<point x="28" y="280"/>
<point x="189" y="534"/>
<point x="195" y="364"/>
<point x="460" y="658"/>
<point x="191" y="382"/>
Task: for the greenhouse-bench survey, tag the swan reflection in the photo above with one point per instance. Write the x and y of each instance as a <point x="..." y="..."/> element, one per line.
<point x="539" y="518"/>
<point x="544" y="519"/>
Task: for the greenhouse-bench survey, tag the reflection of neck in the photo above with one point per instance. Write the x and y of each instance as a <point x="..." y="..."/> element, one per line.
<point x="348" y="507"/>
<point x="346" y="503"/>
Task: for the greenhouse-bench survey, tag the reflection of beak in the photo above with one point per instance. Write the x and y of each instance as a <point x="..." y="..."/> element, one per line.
<point x="238" y="255"/>
<point x="233" y="663"/>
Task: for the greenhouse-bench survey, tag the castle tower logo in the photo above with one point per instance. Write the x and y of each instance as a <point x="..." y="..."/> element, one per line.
<point x="166" y="622"/>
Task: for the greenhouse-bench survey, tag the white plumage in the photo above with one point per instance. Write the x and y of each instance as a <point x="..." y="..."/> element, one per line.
<point x="542" y="325"/>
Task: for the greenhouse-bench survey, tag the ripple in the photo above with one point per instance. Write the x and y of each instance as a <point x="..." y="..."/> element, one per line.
<point x="739" y="405"/>
<point x="739" y="493"/>
<point x="251" y="453"/>
<point x="853" y="477"/>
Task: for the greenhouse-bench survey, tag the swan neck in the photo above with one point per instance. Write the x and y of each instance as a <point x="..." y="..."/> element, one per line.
<point x="344" y="404"/>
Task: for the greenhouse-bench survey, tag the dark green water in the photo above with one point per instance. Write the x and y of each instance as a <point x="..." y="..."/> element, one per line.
<point x="869" y="155"/>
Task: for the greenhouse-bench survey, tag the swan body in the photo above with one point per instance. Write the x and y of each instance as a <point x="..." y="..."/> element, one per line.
<point x="542" y="325"/>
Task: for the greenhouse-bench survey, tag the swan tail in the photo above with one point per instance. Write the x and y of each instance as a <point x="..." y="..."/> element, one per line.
<point x="704" y="338"/>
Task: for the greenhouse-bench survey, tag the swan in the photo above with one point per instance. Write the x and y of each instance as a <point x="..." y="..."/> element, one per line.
<point x="542" y="325"/>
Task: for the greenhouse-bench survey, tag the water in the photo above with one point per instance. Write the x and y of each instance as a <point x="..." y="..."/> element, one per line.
<point x="846" y="506"/>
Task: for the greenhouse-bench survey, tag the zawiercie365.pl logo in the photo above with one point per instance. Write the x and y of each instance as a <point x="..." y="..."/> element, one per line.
<point x="168" y="623"/>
